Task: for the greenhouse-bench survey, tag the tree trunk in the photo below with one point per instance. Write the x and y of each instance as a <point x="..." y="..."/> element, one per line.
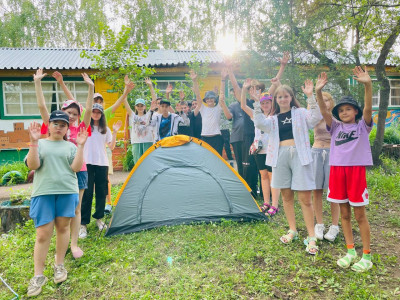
<point x="12" y="215"/>
<point x="384" y="92"/>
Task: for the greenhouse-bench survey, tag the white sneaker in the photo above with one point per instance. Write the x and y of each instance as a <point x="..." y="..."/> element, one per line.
<point x="60" y="273"/>
<point x="100" y="224"/>
<point x="319" y="231"/>
<point x="82" y="232"/>
<point x="332" y="233"/>
<point x="107" y="209"/>
<point x="35" y="285"/>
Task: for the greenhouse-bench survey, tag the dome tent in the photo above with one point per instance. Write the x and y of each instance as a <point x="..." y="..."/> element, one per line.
<point x="181" y="180"/>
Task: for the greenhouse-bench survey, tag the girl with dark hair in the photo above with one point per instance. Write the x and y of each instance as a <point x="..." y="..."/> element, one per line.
<point x="97" y="167"/>
<point x="289" y="154"/>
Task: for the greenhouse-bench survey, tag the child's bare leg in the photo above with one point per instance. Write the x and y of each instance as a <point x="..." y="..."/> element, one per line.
<point x="265" y="183"/>
<point x="317" y="204"/>
<point x="42" y="244"/>
<point x="62" y="241"/>
<point x="288" y="204"/>
<point x="335" y="210"/>
<point x="345" y="211"/>
<point x="308" y="213"/>
<point x="362" y="220"/>
<point x="75" y="223"/>
<point x="274" y="193"/>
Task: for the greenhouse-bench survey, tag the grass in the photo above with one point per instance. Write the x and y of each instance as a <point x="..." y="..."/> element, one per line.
<point x="220" y="261"/>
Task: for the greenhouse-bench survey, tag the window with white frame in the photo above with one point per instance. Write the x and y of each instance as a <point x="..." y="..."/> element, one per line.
<point x="394" y="96"/>
<point x="19" y="97"/>
<point x="162" y="84"/>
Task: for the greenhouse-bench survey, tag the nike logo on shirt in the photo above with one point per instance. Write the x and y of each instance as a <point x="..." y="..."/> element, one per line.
<point x="343" y="138"/>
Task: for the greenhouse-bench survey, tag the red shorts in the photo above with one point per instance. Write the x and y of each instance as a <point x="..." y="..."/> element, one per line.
<point x="348" y="184"/>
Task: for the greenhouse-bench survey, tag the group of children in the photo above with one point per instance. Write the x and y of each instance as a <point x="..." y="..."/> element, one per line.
<point x="270" y="135"/>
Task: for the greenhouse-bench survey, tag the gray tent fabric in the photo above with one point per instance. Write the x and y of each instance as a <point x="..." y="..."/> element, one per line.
<point x="180" y="185"/>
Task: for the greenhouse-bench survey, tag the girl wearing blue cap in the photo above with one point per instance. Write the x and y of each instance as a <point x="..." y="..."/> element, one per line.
<point x="141" y="131"/>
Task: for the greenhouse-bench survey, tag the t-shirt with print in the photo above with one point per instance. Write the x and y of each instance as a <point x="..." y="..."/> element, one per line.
<point x="141" y="132"/>
<point x="95" y="147"/>
<point x="55" y="176"/>
<point x="350" y="144"/>
<point x="237" y="122"/>
<point x="211" y="118"/>
<point x="72" y="134"/>
<point x="165" y="127"/>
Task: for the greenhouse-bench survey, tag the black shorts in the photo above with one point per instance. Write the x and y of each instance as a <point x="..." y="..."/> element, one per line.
<point x="260" y="161"/>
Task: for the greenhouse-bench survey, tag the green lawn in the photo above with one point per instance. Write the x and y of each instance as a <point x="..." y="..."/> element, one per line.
<point x="220" y="261"/>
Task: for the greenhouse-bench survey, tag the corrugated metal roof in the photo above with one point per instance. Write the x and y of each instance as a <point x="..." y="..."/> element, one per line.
<point x="51" y="58"/>
<point x="59" y="59"/>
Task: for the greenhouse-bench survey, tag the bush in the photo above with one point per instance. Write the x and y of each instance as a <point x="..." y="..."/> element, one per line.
<point x="391" y="136"/>
<point x="127" y="160"/>
<point x="19" y="167"/>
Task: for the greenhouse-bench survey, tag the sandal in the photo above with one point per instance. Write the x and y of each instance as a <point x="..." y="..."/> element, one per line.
<point x="289" y="237"/>
<point x="362" y="266"/>
<point x="346" y="261"/>
<point x="311" y="249"/>
<point x="265" y="207"/>
<point x="272" y="211"/>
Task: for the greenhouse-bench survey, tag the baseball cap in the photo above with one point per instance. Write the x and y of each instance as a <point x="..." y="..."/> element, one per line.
<point x="347" y="100"/>
<point x="99" y="107"/>
<point x="68" y="103"/>
<point x="140" y="101"/>
<point x="165" y="102"/>
<point x="59" y="115"/>
<point x="265" y="97"/>
<point x="97" y="95"/>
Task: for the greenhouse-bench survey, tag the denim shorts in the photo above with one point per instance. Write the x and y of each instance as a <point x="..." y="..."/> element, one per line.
<point x="290" y="173"/>
<point x="321" y="167"/>
<point x="46" y="208"/>
<point x="82" y="179"/>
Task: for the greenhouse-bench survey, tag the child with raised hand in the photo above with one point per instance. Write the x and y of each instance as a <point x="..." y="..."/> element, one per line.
<point x="97" y="167"/>
<point x="320" y="152"/>
<point x="265" y="100"/>
<point x="350" y="154"/>
<point x="289" y="154"/>
<point x="211" y="114"/>
<point x="74" y="111"/>
<point x="55" y="194"/>
<point x="141" y="131"/>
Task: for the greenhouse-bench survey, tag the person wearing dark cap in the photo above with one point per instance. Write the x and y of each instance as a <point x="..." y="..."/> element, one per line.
<point x="349" y="155"/>
<point x="55" y="193"/>
<point x="211" y="114"/>
<point x="165" y="122"/>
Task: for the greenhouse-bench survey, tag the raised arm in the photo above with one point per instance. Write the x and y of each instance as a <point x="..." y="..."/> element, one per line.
<point x="313" y="114"/>
<point x="89" y="101"/>
<point x="363" y="77"/>
<point x="275" y="82"/>
<point x="243" y="104"/>
<point x="129" y="86"/>
<point x="116" y="127"/>
<point x="77" y="163"/>
<point x="57" y="76"/>
<point x="37" y="78"/>
<point x="149" y="83"/>
<point x="118" y="103"/>
<point x="326" y="113"/>
<point x="196" y="90"/>
<point x="227" y="113"/>
<point x="236" y="89"/>
<point x="168" y="91"/>
<point x="32" y="159"/>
